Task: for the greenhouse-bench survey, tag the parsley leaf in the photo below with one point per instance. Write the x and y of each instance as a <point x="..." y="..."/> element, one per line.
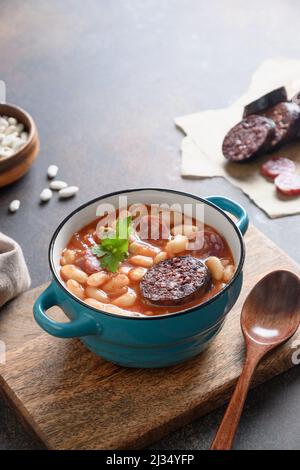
<point x="114" y="247"/>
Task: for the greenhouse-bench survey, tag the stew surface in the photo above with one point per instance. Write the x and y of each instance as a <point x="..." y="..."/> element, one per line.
<point x="107" y="274"/>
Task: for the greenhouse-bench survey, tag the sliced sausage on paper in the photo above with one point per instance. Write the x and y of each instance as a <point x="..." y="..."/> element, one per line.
<point x="248" y="138"/>
<point x="286" y="117"/>
<point x="266" y="101"/>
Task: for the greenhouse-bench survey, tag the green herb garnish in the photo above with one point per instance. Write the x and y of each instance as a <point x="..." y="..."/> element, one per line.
<point x="114" y="247"/>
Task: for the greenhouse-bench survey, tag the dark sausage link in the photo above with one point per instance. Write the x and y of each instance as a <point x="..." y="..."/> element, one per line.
<point x="248" y="138"/>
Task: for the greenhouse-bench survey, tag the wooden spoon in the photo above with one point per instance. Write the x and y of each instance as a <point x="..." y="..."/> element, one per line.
<point x="270" y="316"/>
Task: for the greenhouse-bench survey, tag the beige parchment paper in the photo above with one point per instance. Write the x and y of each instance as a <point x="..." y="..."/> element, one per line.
<point x="201" y="149"/>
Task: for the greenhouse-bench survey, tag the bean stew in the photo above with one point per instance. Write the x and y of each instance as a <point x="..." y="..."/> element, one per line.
<point x="162" y="263"/>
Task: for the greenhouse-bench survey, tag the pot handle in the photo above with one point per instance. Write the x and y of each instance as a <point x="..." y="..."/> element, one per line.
<point x="233" y="208"/>
<point x="82" y="326"/>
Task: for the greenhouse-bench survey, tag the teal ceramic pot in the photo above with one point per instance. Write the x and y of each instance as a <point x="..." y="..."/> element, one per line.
<point x="145" y="342"/>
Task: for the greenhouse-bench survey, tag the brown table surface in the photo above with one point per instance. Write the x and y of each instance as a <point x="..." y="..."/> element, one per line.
<point x="104" y="81"/>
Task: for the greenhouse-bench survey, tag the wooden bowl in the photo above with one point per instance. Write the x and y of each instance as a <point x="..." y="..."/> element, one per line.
<point x="14" y="167"/>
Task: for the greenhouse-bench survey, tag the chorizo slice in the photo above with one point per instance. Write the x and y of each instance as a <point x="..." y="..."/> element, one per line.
<point x="248" y="138"/>
<point x="88" y="262"/>
<point x="288" y="184"/>
<point x="265" y="102"/>
<point x="175" y="281"/>
<point x="277" y="165"/>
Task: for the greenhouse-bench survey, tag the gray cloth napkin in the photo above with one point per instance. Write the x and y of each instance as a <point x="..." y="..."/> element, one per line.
<point x="14" y="275"/>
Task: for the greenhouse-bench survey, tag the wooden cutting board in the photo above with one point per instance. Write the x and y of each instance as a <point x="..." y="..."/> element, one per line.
<point x="72" y="399"/>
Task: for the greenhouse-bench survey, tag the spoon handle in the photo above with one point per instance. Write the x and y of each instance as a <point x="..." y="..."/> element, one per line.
<point x="226" y="432"/>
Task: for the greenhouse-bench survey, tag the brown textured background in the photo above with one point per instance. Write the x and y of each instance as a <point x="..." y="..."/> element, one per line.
<point x="104" y="81"/>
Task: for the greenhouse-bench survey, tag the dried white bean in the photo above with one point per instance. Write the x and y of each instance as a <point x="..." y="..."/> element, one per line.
<point x="3" y="122"/>
<point x="52" y="169"/>
<point x="10" y="130"/>
<point x="9" y="140"/>
<point x="125" y="300"/>
<point x="17" y="143"/>
<point x="6" y="152"/>
<point x="178" y="244"/>
<point x="68" y="192"/>
<point x="20" y="128"/>
<point x="215" y="267"/>
<point x="69" y="271"/>
<point x="24" y="136"/>
<point x="57" y="185"/>
<point x="143" y="261"/>
<point x="14" y="206"/>
<point x="75" y="288"/>
<point x="12" y="121"/>
<point x="46" y="195"/>
<point x="10" y="136"/>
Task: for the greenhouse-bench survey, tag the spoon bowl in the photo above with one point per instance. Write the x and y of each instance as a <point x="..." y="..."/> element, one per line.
<point x="271" y="312"/>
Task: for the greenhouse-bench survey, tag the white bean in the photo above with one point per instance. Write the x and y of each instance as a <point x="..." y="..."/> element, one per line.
<point x="9" y="140"/>
<point x="69" y="271"/>
<point x="143" y="249"/>
<point x="12" y="121"/>
<point x="6" y="152"/>
<point x="228" y="273"/>
<point x="104" y="307"/>
<point x="75" y="288"/>
<point x="20" y="128"/>
<point x="97" y="294"/>
<point x="56" y="185"/>
<point x="143" y="261"/>
<point x="162" y="256"/>
<point x="3" y="122"/>
<point x="215" y="267"/>
<point x="70" y="191"/>
<point x="46" y="195"/>
<point x="10" y="130"/>
<point x="188" y="230"/>
<point x="69" y="256"/>
<point x="17" y="143"/>
<point x="52" y="169"/>
<point x="94" y="303"/>
<point x="97" y="279"/>
<point x="178" y="244"/>
<point x="24" y="136"/>
<point x="125" y="300"/>
<point x="14" y="206"/>
<point x="116" y="282"/>
<point x="136" y="274"/>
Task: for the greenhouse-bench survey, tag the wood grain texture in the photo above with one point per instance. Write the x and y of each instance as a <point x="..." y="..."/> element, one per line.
<point x="75" y="400"/>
